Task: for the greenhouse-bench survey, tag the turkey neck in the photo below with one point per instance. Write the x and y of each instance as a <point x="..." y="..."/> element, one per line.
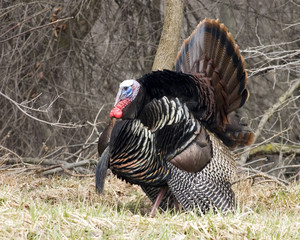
<point x="133" y="110"/>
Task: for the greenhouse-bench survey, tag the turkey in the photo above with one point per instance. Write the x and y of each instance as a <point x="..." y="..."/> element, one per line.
<point x="172" y="132"/>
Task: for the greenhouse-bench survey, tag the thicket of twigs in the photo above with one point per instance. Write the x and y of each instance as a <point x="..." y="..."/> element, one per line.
<point x="61" y="64"/>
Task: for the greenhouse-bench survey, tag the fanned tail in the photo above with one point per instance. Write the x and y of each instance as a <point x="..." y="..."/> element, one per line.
<point x="212" y="53"/>
<point x="211" y="50"/>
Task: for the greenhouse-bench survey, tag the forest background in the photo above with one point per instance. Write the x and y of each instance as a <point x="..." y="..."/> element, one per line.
<point x="61" y="63"/>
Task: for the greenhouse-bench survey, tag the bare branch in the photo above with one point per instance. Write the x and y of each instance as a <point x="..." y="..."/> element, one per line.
<point x="57" y="124"/>
<point x="273" y="108"/>
<point x="268" y="114"/>
<point x="20" y="23"/>
<point x="275" y="148"/>
<point x="57" y="169"/>
<point x="260" y="174"/>
<point x="36" y="28"/>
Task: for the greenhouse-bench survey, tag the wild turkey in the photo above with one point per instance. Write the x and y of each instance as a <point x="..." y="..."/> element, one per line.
<point x="174" y="129"/>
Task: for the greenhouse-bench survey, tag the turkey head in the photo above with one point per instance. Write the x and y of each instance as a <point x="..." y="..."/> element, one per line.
<point x="128" y="100"/>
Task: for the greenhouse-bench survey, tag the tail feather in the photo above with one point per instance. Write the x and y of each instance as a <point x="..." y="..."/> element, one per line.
<point x="232" y="83"/>
<point x="238" y="101"/>
<point x="211" y="50"/>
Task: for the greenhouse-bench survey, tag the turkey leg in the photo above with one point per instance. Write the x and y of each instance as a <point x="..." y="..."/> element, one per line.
<point x="160" y="196"/>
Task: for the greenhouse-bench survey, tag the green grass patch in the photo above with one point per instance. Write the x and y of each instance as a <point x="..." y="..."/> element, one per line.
<point x="32" y="207"/>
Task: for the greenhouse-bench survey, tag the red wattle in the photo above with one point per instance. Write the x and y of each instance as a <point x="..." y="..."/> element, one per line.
<point x="116" y="112"/>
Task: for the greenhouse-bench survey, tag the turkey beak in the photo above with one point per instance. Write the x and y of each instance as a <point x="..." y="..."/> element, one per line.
<point x="120" y="96"/>
<point x="101" y="170"/>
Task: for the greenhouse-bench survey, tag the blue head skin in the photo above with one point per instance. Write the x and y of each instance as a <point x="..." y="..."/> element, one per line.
<point x="128" y="91"/>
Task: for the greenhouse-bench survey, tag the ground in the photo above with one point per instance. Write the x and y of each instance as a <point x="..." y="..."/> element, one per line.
<point x="64" y="207"/>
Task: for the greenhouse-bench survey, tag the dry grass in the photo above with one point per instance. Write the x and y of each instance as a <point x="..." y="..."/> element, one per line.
<point x="68" y="208"/>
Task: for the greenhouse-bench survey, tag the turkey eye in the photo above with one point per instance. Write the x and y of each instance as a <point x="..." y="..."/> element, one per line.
<point x="124" y="90"/>
<point x="128" y="91"/>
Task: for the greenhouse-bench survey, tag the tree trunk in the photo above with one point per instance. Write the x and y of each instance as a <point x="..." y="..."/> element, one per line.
<point x="168" y="44"/>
